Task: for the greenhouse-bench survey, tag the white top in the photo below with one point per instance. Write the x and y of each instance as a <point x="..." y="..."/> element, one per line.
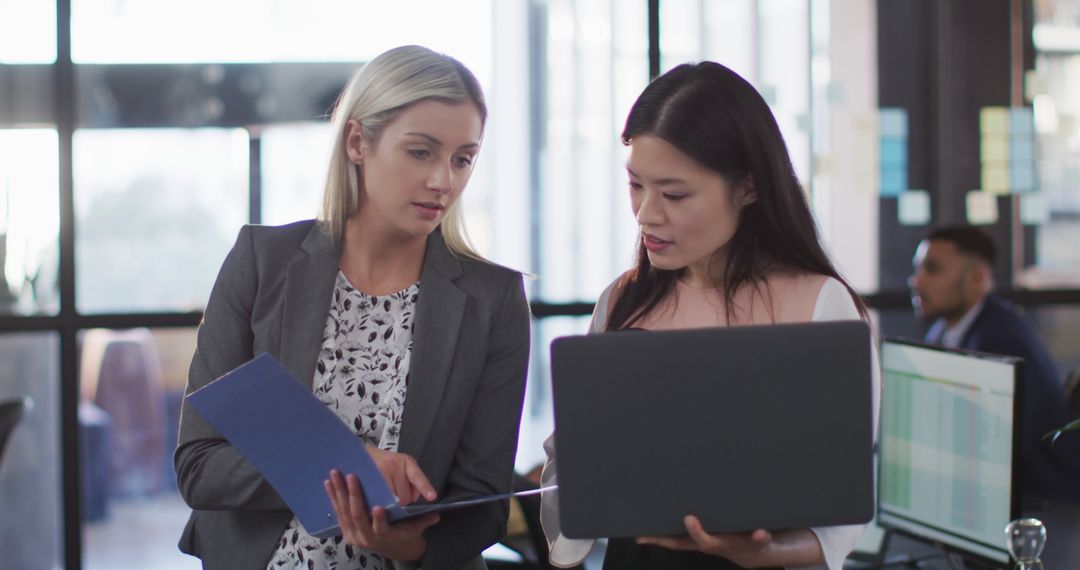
<point x="833" y="303"/>
<point x="361" y="375"/>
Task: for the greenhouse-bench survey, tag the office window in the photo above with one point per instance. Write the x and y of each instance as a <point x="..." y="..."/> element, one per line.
<point x="821" y="89"/>
<point x="29" y="222"/>
<point x="785" y="74"/>
<point x="842" y="77"/>
<point x="27" y="32"/>
<point x="103" y="31"/>
<point x="30" y="528"/>
<point x="537" y="418"/>
<point x="596" y="66"/>
<point x="497" y="204"/>
<point x="156" y="212"/>
<point x="294" y="162"/>
<point x="766" y="42"/>
<point x="724" y="31"/>
<point x="131" y="384"/>
<point x="1054" y="207"/>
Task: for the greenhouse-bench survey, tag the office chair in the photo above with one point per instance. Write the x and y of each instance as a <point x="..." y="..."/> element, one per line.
<point x="121" y="374"/>
<point x="11" y="411"/>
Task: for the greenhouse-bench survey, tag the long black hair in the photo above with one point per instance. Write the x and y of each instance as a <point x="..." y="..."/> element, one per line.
<point x="716" y="117"/>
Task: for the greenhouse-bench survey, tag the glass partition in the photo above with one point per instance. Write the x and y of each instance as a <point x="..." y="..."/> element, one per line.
<point x="30" y="478"/>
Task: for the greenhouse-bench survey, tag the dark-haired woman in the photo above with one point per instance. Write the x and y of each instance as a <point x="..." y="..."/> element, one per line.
<point x="726" y="238"/>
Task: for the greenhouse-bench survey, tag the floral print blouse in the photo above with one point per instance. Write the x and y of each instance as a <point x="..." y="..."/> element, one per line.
<point x="361" y="374"/>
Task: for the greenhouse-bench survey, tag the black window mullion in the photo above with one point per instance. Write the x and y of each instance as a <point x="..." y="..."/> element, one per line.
<point x="654" y="39"/>
<point x="254" y="177"/>
<point x="64" y="100"/>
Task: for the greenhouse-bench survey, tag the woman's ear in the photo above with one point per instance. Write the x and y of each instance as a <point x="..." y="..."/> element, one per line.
<point x="745" y="192"/>
<point x="355" y="142"/>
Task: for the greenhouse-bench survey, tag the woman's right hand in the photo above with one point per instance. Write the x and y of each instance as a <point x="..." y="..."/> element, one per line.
<point x="402" y="541"/>
<point x="407" y="481"/>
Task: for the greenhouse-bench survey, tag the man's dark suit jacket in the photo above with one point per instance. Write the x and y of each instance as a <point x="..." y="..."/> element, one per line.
<point x="1050" y="472"/>
<point x="462" y="404"/>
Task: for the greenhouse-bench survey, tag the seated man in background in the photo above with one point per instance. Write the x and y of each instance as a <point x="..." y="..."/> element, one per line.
<point x="953" y="287"/>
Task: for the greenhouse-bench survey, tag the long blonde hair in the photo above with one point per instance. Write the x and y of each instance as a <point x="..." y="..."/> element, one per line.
<point x="374" y="95"/>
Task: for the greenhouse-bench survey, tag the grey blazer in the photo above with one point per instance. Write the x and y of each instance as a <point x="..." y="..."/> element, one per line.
<point x="462" y="406"/>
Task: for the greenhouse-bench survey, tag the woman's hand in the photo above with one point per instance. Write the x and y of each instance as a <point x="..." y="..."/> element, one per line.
<point x="741" y="548"/>
<point x="747" y="549"/>
<point x="407" y="481"/>
<point x="403" y="541"/>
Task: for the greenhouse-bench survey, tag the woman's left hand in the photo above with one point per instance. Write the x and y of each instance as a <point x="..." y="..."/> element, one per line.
<point x="402" y="541"/>
<point x="747" y="549"/>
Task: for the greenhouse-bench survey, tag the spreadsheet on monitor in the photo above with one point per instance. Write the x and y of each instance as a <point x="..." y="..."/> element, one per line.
<point x="946" y="469"/>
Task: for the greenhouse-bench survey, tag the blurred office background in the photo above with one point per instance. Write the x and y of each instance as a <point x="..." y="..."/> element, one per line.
<point x="136" y="137"/>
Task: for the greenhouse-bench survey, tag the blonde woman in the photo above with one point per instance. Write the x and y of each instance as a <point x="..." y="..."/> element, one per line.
<point x="398" y="326"/>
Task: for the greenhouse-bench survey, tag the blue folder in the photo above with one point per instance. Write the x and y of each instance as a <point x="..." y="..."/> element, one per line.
<point x="294" y="441"/>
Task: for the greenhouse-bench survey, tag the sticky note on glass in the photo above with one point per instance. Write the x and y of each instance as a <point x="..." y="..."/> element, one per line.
<point x="1021" y="148"/>
<point x="1034" y="84"/>
<point x="893" y="153"/>
<point x="994" y="120"/>
<point x="994" y="149"/>
<point x="893" y="182"/>
<point x="1021" y="120"/>
<point x="892" y="123"/>
<point x="996" y="178"/>
<point x="1033" y="209"/>
<point x="982" y="208"/>
<point x="913" y="208"/>
<point x="1022" y="178"/>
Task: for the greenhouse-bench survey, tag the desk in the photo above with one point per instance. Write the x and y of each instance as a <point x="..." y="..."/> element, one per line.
<point x="1062" y="522"/>
<point x="1062" y="552"/>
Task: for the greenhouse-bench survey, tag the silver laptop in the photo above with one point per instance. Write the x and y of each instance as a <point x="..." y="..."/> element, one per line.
<point x="745" y="427"/>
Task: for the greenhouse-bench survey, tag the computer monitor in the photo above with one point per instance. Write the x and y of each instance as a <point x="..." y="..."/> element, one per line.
<point x="949" y="447"/>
